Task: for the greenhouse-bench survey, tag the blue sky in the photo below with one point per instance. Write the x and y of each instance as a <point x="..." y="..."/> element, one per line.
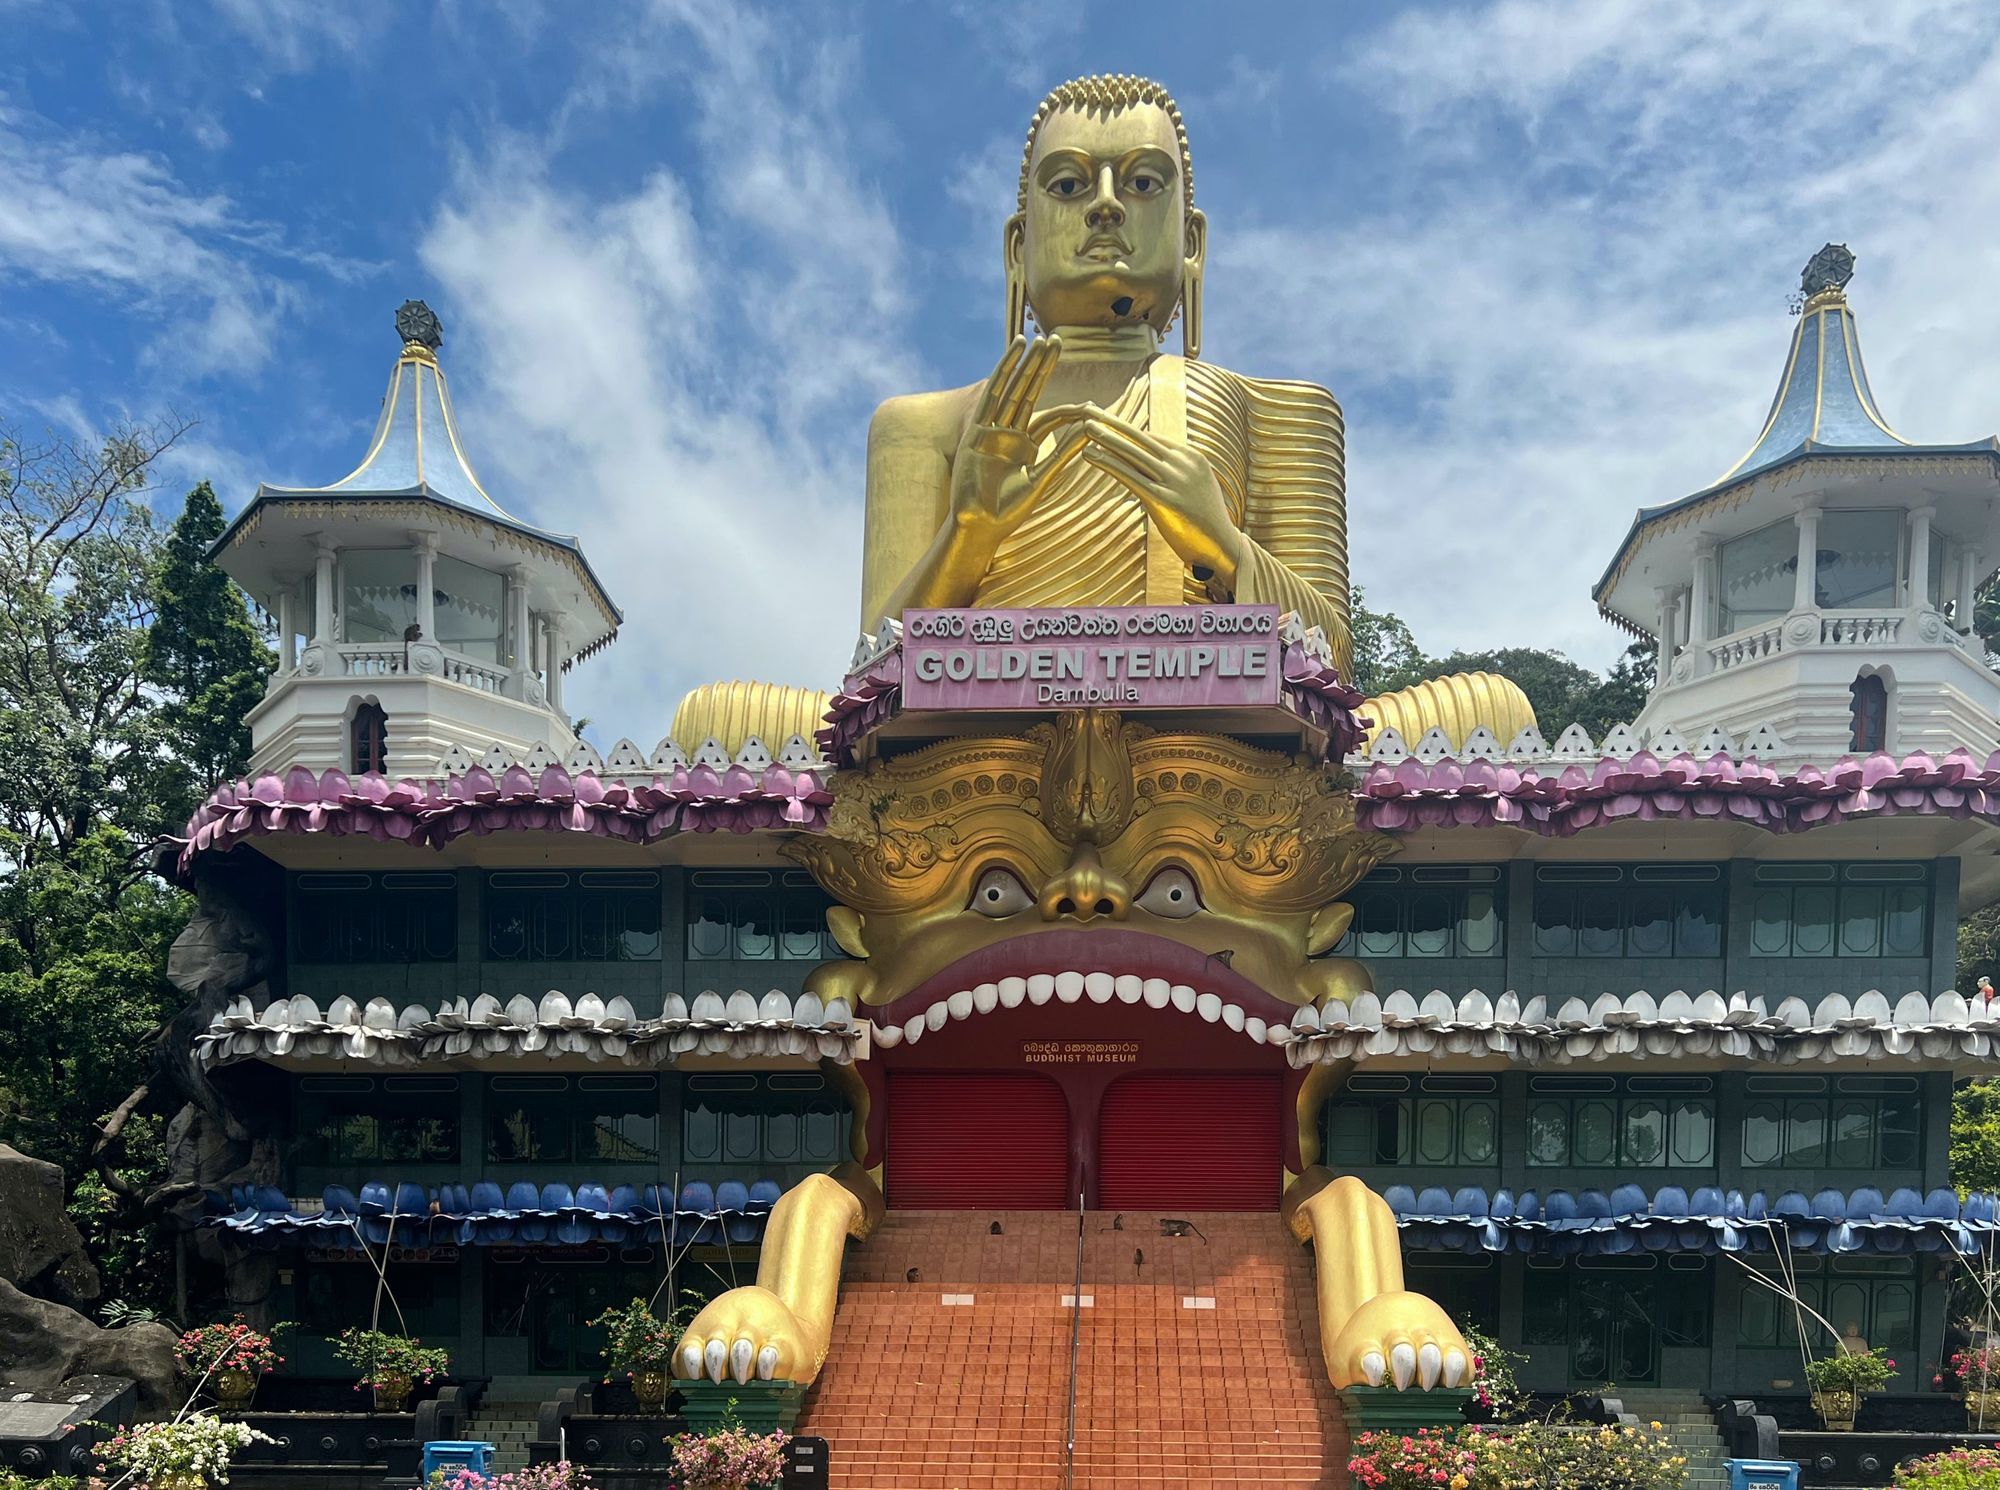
<point x="1540" y="250"/>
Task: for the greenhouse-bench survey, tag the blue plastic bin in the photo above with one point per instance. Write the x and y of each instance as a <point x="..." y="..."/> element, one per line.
<point x="449" y="1454"/>
<point x="1762" y="1474"/>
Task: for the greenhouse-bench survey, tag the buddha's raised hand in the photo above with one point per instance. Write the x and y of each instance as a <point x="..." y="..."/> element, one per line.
<point x="995" y="478"/>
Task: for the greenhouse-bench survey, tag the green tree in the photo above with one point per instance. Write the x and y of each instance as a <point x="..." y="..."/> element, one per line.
<point x="1383" y="646"/>
<point x="1975" y="1113"/>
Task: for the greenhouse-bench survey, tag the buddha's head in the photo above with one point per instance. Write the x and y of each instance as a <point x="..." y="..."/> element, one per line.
<point x="1106" y="232"/>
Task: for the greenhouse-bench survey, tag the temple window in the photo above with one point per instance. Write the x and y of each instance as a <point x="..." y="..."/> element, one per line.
<point x="1639" y="910"/>
<point x="1874" y="1296"/>
<point x="470" y="607"/>
<point x="378" y="595"/>
<point x="368" y="740"/>
<point x="755" y="915"/>
<point x="547" y="1304"/>
<point x="336" y="1293"/>
<point x="1427" y="911"/>
<point x="1466" y="1288"/>
<point x="1420" y="1122"/>
<point x="579" y="1119"/>
<point x="748" y="1123"/>
<point x="1840" y="910"/>
<point x="1864" y="1122"/>
<point x="1758" y="576"/>
<point x="404" y="917"/>
<point x="599" y="915"/>
<point x="1868" y="714"/>
<point x="377" y="1120"/>
<point x="1608" y="1122"/>
<point x="1858" y="554"/>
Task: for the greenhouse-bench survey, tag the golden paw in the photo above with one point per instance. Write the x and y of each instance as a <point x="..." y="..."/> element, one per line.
<point x="1400" y="1340"/>
<point x="743" y="1333"/>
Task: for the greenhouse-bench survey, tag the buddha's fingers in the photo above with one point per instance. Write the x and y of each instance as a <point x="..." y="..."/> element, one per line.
<point x="1038" y="383"/>
<point x="1141" y="485"/>
<point x="1044" y="472"/>
<point x="1003" y="372"/>
<point x="1146" y="440"/>
<point x="1060" y="414"/>
<point x="1017" y="399"/>
<point x="1147" y="455"/>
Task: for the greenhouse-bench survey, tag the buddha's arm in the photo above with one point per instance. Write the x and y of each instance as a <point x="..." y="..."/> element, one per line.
<point x="904" y="547"/>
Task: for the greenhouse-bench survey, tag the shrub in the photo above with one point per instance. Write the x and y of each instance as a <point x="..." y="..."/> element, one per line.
<point x="1422" y="1460"/>
<point x="639" y="1340"/>
<point x="1955" y="1469"/>
<point x="1526" y="1456"/>
<point x="198" y="1444"/>
<point x="228" y="1347"/>
<point x="1976" y="1368"/>
<point x="1862" y="1371"/>
<point x="559" y="1476"/>
<point x="729" y="1456"/>
<point x="1494" y="1386"/>
<point x="377" y="1354"/>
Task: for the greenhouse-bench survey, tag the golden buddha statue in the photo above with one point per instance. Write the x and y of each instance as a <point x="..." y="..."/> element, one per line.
<point x="1092" y="468"/>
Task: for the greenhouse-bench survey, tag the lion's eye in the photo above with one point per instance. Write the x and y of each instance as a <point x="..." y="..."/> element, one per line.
<point x="999" y="893"/>
<point x="1171" y="893"/>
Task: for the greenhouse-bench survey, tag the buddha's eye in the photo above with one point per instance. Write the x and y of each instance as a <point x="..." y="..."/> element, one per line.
<point x="999" y="893"/>
<point x="1171" y="893"/>
<point x="1145" y="185"/>
<point x="1066" y="186"/>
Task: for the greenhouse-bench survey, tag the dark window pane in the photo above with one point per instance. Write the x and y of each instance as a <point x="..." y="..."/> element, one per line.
<point x="1555" y="910"/>
<point x="1805" y="1133"/>
<point x="1548" y="1133"/>
<point x="1771" y="923"/>
<point x="1860" y="921"/>
<point x="1479" y="1143"/>
<point x="1645" y="1133"/>
<point x="1812" y="922"/>
<point x="803" y="919"/>
<point x="742" y="1136"/>
<point x="1594" y="1136"/>
<point x="639" y="935"/>
<point x="1350" y="1135"/>
<point x="1901" y="1132"/>
<point x="1377" y="922"/>
<point x="1698" y="932"/>
<point x="1895" y="1316"/>
<point x="756" y="931"/>
<point x="701" y="1135"/>
<point x="1432" y="915"/>
<point x="627" y="1133"/>
<point x="549" y="916"/>
<point x="1694" y="1133"/>
<point x="709" y="929"/>
<point x="1598" y="932"/>
<point x="1853" y="1135"/>
<point x="1903" y="923"/>
<point x="1436" y="1125"/>
<point x="1762" y="1135"/>
<point x="1479" y="928"/>
<point x="523" y="1130"/>
<point x="506" y="925"/>
<point x="1652" y="924"/>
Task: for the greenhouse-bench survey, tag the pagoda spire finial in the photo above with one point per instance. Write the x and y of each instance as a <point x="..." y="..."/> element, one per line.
<point x="418" y="325"/>
<point x="1826" y="274"/>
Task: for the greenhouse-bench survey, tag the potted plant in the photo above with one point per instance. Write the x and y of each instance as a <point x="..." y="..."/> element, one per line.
<point x="229" y="1358"/>
<point x="1954" y="1469"/>
<point x="1838" y="1380"/>
<point x="640" y="1348"/>
<point x="390" y="1365"/>
<point x="731" y="1458"/>
<point x="187" y="1454"/>
<point x="562" y="1475"/>
<point x="1976" y="1369"/>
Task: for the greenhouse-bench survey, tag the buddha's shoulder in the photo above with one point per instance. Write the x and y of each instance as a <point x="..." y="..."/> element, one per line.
<point x="1293" y="395"/>
<point x="934" y="418"/>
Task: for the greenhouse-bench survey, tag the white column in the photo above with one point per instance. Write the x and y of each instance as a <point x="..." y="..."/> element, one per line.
<point x="1702" y="602"/>
<point x="1663" y="631"/>
<point x="1968" y="586"/>
<point x="520" y="658"/>
<point x="324" y="551"/>
<point x="1805" y="592"/>
<point x="427" y="547"/>
<point x="1919" y="577"/>
<point x="554" y="620"/>
<point x="1681" y="634"/>
<point x="288" y="652"/>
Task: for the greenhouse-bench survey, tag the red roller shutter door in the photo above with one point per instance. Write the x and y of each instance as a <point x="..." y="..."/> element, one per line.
<point x="1190" y="1143"/>
<point x="988" y="1143"/>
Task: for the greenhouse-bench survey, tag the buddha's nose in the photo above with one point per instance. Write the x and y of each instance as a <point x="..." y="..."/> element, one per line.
<point x="1106" y="211"/>
<point x="1085" y="891"/>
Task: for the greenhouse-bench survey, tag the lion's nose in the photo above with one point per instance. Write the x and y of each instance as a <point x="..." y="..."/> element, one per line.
<point x="1085" y="891"/>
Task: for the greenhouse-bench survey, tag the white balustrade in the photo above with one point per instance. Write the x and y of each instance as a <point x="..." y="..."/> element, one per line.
<point x="1859" y="629"/>
<point x="372" y="662"/>
<point x="1746" y="646"/>
<point x="365" y="661"/>
<point x="483" y="676"/>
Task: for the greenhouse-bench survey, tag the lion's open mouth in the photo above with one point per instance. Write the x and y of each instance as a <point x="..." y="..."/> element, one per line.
<point x="1101" y="967"/>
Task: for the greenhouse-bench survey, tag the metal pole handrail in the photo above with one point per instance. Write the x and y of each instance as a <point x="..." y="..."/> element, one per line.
<point x="1075" y="1343"/>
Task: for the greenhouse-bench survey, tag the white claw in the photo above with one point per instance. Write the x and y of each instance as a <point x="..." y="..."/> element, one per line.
<point x="1402" y="1365"/>
<point x="1430" y="1361"/>
<point x="691" y="1361"/>
<point x="716" y="1356"/>
<point x="767" y="1362"/>
<point x="741" y="1355"/>
<point x="1372" y="1368"/>
<point x="1454" y="1367"/>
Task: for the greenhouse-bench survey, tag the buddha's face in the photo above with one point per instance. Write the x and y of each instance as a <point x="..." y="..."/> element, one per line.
<point x="1107" y="232"/>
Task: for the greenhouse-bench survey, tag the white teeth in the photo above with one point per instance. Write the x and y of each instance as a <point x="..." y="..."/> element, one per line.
<point x="1183" y="997"/>
<point x="1128" y="988"/>
<point x="1430" y="1361"/>
<point x="1403" y="1365"/>
<point x="1209" y="1007"/>
<point x="1156" y="991"/>
<point x="913" y="1028"/>
<point x="1454" y="1367"/>
<point x="1232" y="1016"/>
<point x="715" y="1356"/>
<point x="742" y="1355"/>
<point x="985" y="998"/>
<point x="767" y="1363"/>
<point x="691" y="1361"/>
<point x="889" y="1036"/>
<point x="1099" y="986"/>
<point x="1012" y="991"/>
<point x="1279" y="1034"/>
<point x="1255" y="1028"/>
<point x="937" y="1014"/>
<point x="959" y="1005"/>
<point x="1069" y="987"/>
<point x="1040" y="987"/>
<point x="1372" y="1369"/>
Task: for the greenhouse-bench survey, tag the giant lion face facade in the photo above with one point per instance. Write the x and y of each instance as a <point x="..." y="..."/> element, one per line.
<point x="988" y="868"/>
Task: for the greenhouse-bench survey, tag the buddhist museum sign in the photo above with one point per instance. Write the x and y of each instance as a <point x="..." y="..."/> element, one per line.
<point x="1122" y="656"/>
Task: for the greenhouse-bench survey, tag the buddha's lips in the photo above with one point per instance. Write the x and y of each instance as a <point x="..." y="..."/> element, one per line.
<point x="1114" y="950"/>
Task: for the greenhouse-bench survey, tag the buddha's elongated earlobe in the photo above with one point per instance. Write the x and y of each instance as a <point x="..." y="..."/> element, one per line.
<point x="1013" y="255"/>
<point x="1197" y="256"/>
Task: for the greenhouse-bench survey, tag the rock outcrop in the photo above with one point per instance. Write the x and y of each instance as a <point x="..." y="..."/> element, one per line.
<point x="40" y="1247"/>
<point x="44" y="1344"/>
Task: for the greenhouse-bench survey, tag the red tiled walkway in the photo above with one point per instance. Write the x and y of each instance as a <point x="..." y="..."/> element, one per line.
<point x="1171" y="1391"/>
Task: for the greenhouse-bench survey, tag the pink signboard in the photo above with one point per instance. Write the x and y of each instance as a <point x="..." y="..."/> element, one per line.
<point x="1091" y="657"/>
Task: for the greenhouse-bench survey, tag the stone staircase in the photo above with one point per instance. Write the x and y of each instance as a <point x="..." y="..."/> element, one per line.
<point x="1689" y="1423"/>
<point x="1199" y="1361"/>
<point x="508" y="1426"/>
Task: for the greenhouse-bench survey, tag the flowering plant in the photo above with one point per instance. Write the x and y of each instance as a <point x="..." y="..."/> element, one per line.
<point x="1844" y="1371"/>
<point x="11" y="1479"/>
<point x="379" y="1355"/>
<point x="1528" y="1456"/>
<point x="1413" y="1461"/>
<point x="729" y="1456"/>
<point x="1977" y="1368"/>
<point x="639" y="1341"/>
<point x="198" y="1444"/>
<point x="562" y="1475"/>
<point x="228" y="1347"/>
<point x="1493" y="1383"/>
<point x="1955" y="1469"/>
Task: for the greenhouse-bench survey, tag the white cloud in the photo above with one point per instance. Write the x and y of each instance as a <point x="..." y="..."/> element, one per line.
<point x="292" y="36"/>
<point x="1568" y="302"/>
<point x="684" y="370"/>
